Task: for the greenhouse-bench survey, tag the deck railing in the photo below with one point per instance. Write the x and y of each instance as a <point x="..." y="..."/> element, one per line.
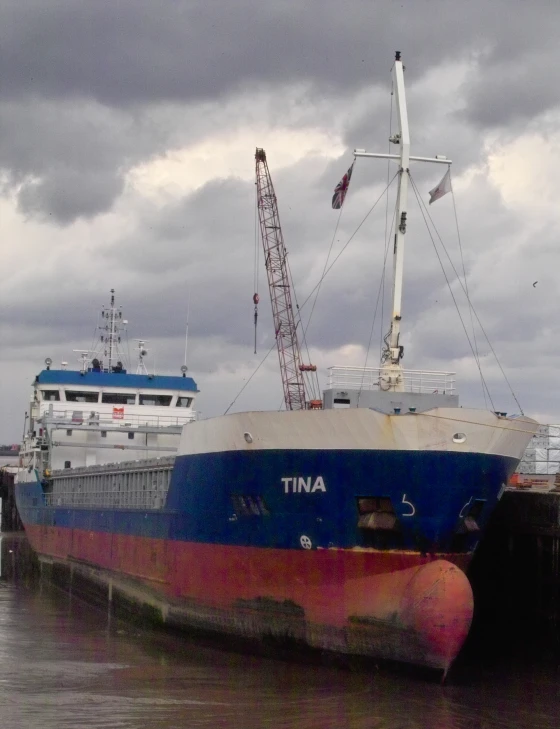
<point x="95" y="419"/>
<point x="367" y="378"/>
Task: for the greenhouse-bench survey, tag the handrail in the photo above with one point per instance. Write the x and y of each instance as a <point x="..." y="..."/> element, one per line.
<point x="367" y="378"/>
<point x="93" y="418"/>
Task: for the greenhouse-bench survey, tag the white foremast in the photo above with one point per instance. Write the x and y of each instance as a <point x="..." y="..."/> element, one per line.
<point x="391" y="374"/>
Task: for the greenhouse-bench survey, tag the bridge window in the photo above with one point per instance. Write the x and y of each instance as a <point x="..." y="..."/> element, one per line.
<point x="158" y="400"/>
<point x="119" y="398"/>
<point x="184" y="402"/>
<point x="76" y="396"/>
<point x="341" y="402"/>
<point x="51" y="395"/>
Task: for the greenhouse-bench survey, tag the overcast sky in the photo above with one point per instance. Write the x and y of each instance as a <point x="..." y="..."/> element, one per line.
<point x="127" y="138"/>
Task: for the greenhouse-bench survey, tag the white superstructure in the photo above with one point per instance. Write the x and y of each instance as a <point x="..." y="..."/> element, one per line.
<point x="101" y="413"/>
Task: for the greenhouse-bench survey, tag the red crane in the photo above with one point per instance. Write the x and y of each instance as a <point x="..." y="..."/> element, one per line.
<point x="285" y="327"/>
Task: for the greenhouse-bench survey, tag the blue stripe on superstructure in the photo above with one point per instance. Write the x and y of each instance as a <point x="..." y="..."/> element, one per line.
<point x="199" y="506"/>
<point x="116" y="379"/>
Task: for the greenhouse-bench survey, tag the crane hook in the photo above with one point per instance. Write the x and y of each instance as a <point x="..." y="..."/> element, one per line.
<point x="256" y="302"/>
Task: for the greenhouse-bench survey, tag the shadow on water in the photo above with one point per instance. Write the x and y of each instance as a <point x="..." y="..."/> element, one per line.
<point x="18" y="562"/>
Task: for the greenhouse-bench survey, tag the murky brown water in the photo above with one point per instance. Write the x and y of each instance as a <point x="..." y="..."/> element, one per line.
<point x="66" y="664"/>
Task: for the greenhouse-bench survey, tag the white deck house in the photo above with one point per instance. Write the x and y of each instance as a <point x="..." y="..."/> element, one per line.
<point x="90" y="417"/>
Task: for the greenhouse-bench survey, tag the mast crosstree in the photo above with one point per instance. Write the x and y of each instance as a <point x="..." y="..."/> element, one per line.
<point x="107" y="354"/>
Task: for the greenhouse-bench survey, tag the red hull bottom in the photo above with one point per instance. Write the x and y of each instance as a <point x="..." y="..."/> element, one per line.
<point x="396" y="606"/>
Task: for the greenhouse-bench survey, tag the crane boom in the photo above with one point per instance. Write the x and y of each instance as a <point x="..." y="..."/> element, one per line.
<point x="275" y="254"/>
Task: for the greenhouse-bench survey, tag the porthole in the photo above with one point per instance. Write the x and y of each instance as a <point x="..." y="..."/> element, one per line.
<point x="459" y="438"/>
<point x="248" y="437"/>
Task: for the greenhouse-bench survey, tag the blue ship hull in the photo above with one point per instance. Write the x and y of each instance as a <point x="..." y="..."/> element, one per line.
<point x="430" y="492"/>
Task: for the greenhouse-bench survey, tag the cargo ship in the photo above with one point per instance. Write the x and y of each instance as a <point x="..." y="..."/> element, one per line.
<point x="344" y="524"/>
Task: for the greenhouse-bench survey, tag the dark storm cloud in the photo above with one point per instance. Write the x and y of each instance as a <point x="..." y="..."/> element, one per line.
<point x="64" y="196"/>
<point x="93" y="89"/>
<point x="517" y="87"/>
<point x="66" y="160"/>
<point x="83" y="84"/>
<point x="137" y="51"/>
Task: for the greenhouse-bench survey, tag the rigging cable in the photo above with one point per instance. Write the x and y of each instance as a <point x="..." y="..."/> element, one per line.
<point x="324" y="269"/>
<point x="95" y="335"/>
<point x="313" y="376"/>
<point x="380" y="292"/>
<point x="250" y="378"/>
<point x="475" y="314"/>
<point x="129" y="363"/>
<point x="256" y="267"/>
<point x="369" y="212"/>
<point x="428" y="414"/>
<point x="419" y="201"/>
<point x="477" y="354"/>
<point x="314" y="289"/>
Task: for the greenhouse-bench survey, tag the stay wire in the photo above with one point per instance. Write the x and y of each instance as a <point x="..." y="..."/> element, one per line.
<point x="380" y="289"/>
<point x="128" y="349"/>
<point x="250" y="378"/>
<point x="256" y="267"/>
<point x="369" y="212"/>
<point x="313" y="290"/>
<point x="475" y="314"/>
<point x="256" y="255"/>
<point x="324" y="269"/>
<point x="299" y="324"/>
<point x="466" y="284"/>
<point x="305" y="328"/>
<point x="95" y="335"/>
<point x="257" y="242"/>
<point x="419" y="201"/>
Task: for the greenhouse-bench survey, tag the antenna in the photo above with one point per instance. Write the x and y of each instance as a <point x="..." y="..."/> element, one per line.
<point x="142" y="352"/>
<point x="112" y="326"/>
<point x="187" y="332"/>
<point x="84" y="359"/>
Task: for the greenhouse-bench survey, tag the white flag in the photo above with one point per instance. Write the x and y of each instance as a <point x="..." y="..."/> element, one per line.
<point x="443" y="188"/>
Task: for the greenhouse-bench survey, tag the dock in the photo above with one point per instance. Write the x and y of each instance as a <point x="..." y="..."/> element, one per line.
<point x="9" y="517"/>
<point x="515" y="572"/>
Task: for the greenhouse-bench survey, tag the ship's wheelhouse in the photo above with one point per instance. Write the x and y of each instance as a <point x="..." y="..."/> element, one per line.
<point x="93" y="417"/>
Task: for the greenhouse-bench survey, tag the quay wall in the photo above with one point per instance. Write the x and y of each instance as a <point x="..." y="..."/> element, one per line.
<point x="515" y="572"/>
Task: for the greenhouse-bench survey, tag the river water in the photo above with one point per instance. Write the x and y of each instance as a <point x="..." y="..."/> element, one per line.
<point x="67" y="664"/>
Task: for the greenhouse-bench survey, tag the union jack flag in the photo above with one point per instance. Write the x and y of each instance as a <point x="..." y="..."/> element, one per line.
<point x="341" y="189"/>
